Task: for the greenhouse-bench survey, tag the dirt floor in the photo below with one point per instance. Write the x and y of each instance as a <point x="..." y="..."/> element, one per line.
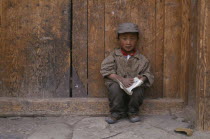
<point x="85" y="127"/>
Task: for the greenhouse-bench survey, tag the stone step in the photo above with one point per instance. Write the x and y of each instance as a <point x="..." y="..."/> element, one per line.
<point x="78" y="106"/>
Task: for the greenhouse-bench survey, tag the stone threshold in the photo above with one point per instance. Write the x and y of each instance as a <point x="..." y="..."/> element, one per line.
<point x="78" y="106"/>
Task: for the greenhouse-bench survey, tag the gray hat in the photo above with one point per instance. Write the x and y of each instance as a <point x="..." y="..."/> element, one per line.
<point x="127" y="27"/>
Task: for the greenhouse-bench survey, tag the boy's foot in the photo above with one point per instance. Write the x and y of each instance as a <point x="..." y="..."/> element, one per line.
<point x="134" y="118"/>
<point x="113" y="118"/>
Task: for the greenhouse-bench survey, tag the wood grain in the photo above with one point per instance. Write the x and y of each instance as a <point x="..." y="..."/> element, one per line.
<point x="192" y="62"/>
<point x="2" y="43"/>
<point x="159" y="49"/>
<point x="206" y="53"/>
<point x="203" y="68"/>
<point x="172" y="46"/>
<point x="42" y="70"/>
<point x="35" y="53"/>
<point x="12" y="66"/>
<point x="185" y="47"/>
<point x="96" y="13"/>
<point x="79" y="48"/>
<point x="200" y="66"/>
<point x="116" y="12"/>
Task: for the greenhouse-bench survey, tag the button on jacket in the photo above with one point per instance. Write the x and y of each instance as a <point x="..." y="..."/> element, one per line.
<point x="116" y="63"/>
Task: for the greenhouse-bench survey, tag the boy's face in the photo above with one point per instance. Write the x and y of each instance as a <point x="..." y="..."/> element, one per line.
<point x="128" y="41"/>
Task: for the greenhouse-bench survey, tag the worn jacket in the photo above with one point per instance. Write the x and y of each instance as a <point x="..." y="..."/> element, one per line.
<point x="116" y="63"/>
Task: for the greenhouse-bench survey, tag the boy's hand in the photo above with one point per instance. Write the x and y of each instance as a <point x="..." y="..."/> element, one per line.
<point x="127" y="82"/>
<point x="143" y="78"/>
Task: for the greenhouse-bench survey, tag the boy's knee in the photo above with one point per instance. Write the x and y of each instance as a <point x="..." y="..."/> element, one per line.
<point x="138" y="92"/>
<point x="115" y="90"/>
<point x="114" y="87"/>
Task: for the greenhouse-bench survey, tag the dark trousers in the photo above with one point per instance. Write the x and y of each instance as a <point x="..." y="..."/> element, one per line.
<point x="121" y="103"/>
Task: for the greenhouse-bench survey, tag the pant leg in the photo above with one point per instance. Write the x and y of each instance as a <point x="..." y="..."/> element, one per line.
<point x="117" y="100"/>
<point x="136" y="100"/>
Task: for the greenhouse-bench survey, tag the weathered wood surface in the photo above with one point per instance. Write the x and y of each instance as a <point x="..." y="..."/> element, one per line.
<point x="193" y="53"/>
<point x="159" y="48"/>
<point x="35" y="57"/>
<point x="185" y="48"/>
<point x="78" y="106"/>
<point x="164" y="40"/>
<point x="203" y="66"/>
<point x="172" y="47"/>
<point x="96" y="13"/>
<point x="45" y="62"/>
<point x="116" y="12"/>
<point x="79" y="48"/>
<point x="103" y="19"/>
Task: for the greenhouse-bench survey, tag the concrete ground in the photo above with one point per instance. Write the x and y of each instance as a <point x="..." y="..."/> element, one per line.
<point x="85" y="127"/>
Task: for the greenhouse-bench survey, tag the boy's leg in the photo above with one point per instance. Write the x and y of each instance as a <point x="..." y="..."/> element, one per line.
<point x="136" y="100"/>
<point x="117" y="100"/>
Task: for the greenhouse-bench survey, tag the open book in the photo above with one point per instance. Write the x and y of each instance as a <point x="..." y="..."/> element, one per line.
<point x="137" y="82"/>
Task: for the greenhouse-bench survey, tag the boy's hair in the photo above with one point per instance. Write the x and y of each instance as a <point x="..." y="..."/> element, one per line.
<point x="127" y="28"/>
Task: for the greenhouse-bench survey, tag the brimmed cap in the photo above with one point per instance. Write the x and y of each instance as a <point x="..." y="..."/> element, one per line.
<point x="127" y="27"/>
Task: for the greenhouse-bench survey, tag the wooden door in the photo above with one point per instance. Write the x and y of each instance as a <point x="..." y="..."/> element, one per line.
<point x="162" y="40"/>
<point x="55" y="48"/>
<point x="35" y="48"/>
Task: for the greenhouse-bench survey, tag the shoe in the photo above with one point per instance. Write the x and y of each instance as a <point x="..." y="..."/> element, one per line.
<point x="113" y="118"/>
<point x="134" y="118"/>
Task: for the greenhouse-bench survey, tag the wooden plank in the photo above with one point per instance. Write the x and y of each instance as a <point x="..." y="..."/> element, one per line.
<point x="207" y="44"/>
<point x="2" y="34"/>
<point x="206" y="50"/>
<point x="159" y="49"/>
<point x="185" y="47"/>
<point x="51" y="62"/>
<point x="144" y="16"/>
<point x="203" y="61"/>
<point x="193" y="54"/>
<point x="78" y="106"/>
<point x="172" y="43"/>
<point x="1" y="20"/>
<point x="36" y="48"/>
<point x="79" y="48"/>
<point x="200" y="66"/>
<point x="116" y="12"/>
<point x="96" y="13"/>
<point x="12" y="64"/>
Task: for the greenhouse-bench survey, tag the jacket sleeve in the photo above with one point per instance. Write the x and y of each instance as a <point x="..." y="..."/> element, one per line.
<point x="108" y="66"/>
<point x="146" y="72"/>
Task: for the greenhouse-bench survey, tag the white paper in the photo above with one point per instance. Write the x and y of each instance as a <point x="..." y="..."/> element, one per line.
<point x="137" y="82"/>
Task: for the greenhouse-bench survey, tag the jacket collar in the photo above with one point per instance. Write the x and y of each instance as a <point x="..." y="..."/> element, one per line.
<point x="119" y="53"/>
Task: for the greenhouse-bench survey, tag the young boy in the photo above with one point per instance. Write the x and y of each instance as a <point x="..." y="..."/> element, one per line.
<point x="123" y="64"/>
